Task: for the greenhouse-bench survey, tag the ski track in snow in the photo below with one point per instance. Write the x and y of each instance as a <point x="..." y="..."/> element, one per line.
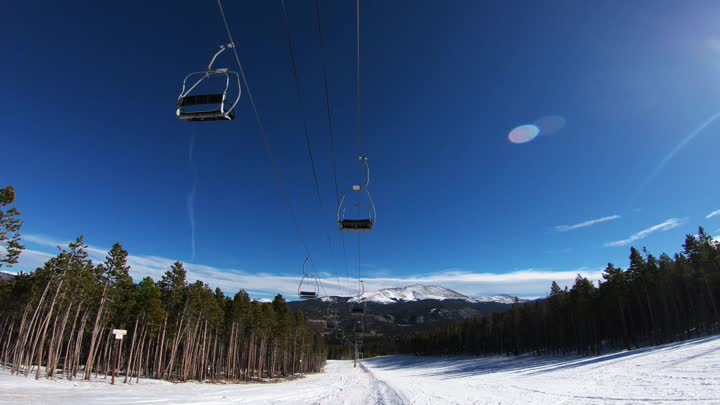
<point x="680" y="373"/>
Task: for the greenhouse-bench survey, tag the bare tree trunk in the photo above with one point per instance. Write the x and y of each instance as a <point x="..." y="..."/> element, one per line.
<point x="132" y="351"/>
<point x="90" y="361"/>
<point x="67" y="360"/>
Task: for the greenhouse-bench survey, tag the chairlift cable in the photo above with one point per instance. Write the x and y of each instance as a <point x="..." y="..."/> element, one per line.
<point x="357" y="82"/>
<point x="357" y="109"/>
<point x="296" y="76"/>
<point x="323" y="62"/>
<point x="266" y="141"/>
<point x="308" y="143"/>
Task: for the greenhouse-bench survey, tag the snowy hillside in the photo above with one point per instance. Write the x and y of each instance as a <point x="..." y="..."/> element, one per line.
<point x="502" y="299"/>
<point x="678" y="373"/>
<point x="419" y="292"/>
<point x="410" y="293"/>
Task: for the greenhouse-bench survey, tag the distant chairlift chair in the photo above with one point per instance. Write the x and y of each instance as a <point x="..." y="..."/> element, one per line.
<point x="195" y="103"/>
<point x="309" y="287"/>
<point x="358" y="224"/>
<point x="360" y="307"/>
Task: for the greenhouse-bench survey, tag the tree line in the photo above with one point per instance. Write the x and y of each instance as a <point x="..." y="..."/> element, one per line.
<point x="654" y="301"/>
<point x="57" y="321"/>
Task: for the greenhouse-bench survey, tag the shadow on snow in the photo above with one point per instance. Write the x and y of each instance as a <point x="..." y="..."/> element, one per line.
<point x="527" y="364"/>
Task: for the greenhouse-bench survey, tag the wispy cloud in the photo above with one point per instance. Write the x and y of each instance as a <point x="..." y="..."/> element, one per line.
<point x="528" y="283"/>
<point x="713" y="214"/>
<point x="29" y="260"/>
<point x="651" y="176"/>
<point x="666" y="225"/>
<point x="591" y="222"/>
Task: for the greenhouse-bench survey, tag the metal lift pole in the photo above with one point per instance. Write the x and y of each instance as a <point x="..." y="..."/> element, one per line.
<point x="356" y="355"/>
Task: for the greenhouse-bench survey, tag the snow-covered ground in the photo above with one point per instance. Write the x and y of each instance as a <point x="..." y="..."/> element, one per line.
<point x="686" y="372"/>
<point x="415" y="292"/>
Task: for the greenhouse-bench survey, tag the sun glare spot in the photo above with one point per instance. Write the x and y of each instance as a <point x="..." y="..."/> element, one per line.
<point x="550" y="124"/>
<point x="523" y="133"/>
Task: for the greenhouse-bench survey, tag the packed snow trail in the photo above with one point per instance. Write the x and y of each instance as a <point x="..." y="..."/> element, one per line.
<point x="679" y="373"/>
<point x="339" y="384"/>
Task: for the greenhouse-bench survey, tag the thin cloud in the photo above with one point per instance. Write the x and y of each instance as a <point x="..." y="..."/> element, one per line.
<point x="674" y="152"/>
<point x="664" y="226"/>
<point x="713" y="214"/>
<point x="565" y="228"/>
<point x="528" y="283"/>
<point x="29" y="260"/>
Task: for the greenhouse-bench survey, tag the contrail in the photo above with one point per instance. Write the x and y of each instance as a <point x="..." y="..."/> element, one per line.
<point x="191" y="196"/>
<point x="674" y="152"/>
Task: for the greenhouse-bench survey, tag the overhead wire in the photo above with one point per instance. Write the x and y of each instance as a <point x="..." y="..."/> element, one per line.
<point x="296" y="75"/>
<point x="298" y="88"/>
<point x="357" y="111"/>
<point x="266" y="141"/>
<point x="323" y="62"/>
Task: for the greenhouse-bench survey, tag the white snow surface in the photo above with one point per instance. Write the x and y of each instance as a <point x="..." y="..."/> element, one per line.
<point x="415" y="292"/>
<point x="680" y="373"/>
<point x="502" y="299"/>
<point x="418" y="292"/>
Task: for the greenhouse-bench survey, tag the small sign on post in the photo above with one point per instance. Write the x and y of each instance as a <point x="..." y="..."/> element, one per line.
<point x="119" y="333"/>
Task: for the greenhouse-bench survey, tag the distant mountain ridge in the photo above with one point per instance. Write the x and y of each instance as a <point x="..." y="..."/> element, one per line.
<point x="6" y="276"/>
<point x="414" y="292"/>
<point x="418" y="292"/>
<point x="397" y="311"/>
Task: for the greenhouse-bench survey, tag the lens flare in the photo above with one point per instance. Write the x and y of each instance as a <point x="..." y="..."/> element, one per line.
<point x="550" y="124"/>
<point x="523" y="133"/>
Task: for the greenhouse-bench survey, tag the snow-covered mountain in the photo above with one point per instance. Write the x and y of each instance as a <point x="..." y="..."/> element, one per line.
<point x="6" y="276"/>
<point x="415" y="292"/>
<point x="418" y="292"/>
<point x="502" y="299"/>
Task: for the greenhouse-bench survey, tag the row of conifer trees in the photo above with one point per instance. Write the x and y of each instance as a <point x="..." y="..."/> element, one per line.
<point x="57" y="322"/>
<point x="655" y="300"/>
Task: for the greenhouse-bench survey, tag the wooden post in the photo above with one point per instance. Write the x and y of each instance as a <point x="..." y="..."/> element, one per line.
<point x="115" y="361"/>
<point x="119" y="333"/>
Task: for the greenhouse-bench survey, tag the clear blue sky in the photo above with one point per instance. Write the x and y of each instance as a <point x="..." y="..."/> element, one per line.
<point x="92" y="145"/>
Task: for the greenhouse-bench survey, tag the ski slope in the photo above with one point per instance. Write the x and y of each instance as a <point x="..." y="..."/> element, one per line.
<point x="680" y="373"/>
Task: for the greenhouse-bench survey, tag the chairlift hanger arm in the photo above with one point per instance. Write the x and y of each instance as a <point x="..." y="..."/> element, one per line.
<point x="367" y="172"/>
<point x="305" y="266"/>
<point x="221" y="50"/>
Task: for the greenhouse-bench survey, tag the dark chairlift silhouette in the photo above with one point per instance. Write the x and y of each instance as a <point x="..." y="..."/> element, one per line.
<point x="197" y="103"/>
<point x="331" y="321"/>
<point x="358" y="224"/>
<point x="359" y="308"/>
<point x="359" y="328"/>
<point x="309" y="287"/>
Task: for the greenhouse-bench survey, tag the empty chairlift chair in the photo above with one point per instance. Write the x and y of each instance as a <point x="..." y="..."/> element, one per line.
<point x="362" y="224"/>
<point x="210" y="95"/>
<point x="359" y="307"/>
<point x="309" y="287"/>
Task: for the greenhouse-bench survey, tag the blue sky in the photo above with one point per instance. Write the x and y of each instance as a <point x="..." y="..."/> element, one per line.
<point x="96" y="149"/>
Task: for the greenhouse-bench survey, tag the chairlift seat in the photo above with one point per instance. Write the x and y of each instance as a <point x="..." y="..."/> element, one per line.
<point x="308" y="295"/>
<point x="201" y="99"/>
<point x="356" y="225"/>
<point x="216" y="115"/>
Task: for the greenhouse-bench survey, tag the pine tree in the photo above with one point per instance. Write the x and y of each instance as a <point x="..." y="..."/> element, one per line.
<point x="10" y="226"/>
